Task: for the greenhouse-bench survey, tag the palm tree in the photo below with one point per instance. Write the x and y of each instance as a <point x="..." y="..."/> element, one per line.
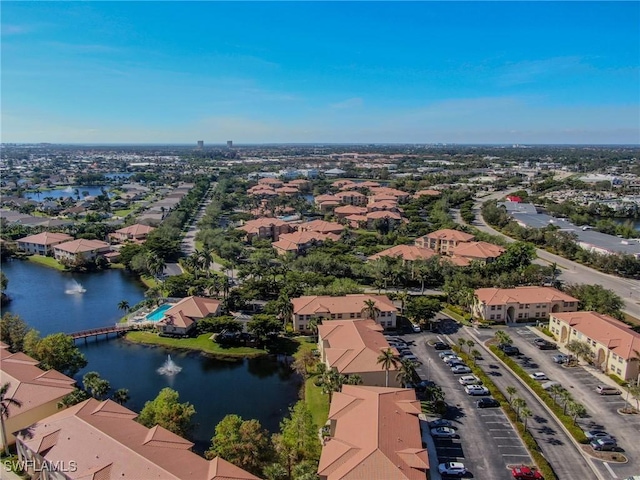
<point x="313" y="326"/>
<point x="503" y="337"/>
<point x="525" y="413"/>
<point x="370" y="309"/>
<point x="121" y="396"/>
<point x="565" y="396"/>
<point x="353" y="379"/>
<point x="511" y="391"/>
<point x="555" y="391"/>
<point x="5" y="403"/>
<point x="387" y="359"/>
<point x="406" y="372"/>
<point x="518" y="403"/>
<point x="124" y="306"/>
<point x="462" y="342"/>
<point x="576" y="410"/>
<point x="403" y="297"/>
<point x="470" y="344"/>
<point x="285" y="309"/>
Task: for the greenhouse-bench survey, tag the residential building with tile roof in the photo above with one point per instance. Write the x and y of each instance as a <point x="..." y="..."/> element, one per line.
<point x="38" y="391"/>
<point x="443" y="241"/>
<point x="408" y="253"/>
<point x="100" y="440"/>
<point x="346" y="210"/>
<point x="81" y="250"/>
<point x="136" y="233"/>
<point x="374" y="435"/>
<point x="265" y="228"/>
<point x="353" y="347"/>
<point x="182" y="317"/>
<point x="351" y="197"/>
<point x="479" y="251"/>
<point x="299" y="242"/>
<point x="320" y="226"/>
<point x="614" y="345"/>
<point x="521" y="304"/>
<point x="42" y="243"/>
<point x="346" y="307"/>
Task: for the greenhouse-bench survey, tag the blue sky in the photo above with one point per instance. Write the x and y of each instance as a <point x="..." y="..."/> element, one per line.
<point x="374" y="72"/>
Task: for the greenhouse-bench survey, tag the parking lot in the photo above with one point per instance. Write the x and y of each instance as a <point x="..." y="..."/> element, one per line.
<point x="602" y="410"/>
<point x="487" y="442"/>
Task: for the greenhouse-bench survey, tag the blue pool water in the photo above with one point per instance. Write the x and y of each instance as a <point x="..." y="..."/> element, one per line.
<point x="158" y="313"/>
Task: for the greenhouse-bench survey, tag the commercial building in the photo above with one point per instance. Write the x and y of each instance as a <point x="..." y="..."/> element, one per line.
<point x="521" y="304"/>
<point x="615" y="347"/>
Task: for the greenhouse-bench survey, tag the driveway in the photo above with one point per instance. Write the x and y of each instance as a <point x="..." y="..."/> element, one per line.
<point x="602" y="410"/>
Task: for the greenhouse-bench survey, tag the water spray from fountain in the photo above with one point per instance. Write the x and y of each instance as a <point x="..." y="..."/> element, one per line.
<point x="169" y="367"/>
<point x="74" y="288"/>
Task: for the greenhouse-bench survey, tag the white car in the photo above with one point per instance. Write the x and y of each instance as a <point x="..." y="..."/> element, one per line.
<point x="449" y="358"/>
<point x="460" y="369"/>
<point x="469" y="380"/>
<point x="452" y="468"/>
<point x="539" y="376"/>
<point x="446" y="353"/>
<point x="476" y="390"/>
<point x="443" y="432"/>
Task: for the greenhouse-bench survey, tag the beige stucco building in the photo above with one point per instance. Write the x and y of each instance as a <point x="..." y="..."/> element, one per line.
<point x="615" y="347"/>
<point x="521" y="304"/>
<point x="42" y="243"/>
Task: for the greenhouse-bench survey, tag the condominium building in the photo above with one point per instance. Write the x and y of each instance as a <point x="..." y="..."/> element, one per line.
<point x="42" y="243"/>
<point x="443" y="241"/>
<point x="374" y="434"/>
<point x="80" y="250"/>
<point x="265" y="228"/>
<point x="614" y="345"/>
<point x="347" y="307"/>
<point x="521" y="304"/>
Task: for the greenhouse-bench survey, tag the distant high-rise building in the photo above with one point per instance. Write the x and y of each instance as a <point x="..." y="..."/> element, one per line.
<point x="200" y="144"/>
<point x="229" y="143"/>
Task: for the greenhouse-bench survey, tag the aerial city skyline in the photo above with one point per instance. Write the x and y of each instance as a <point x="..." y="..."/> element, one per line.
<point x="363" y="72"/>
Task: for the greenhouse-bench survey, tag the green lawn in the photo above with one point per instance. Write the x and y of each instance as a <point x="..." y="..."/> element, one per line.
<point x="46" y="261"/>
<point x="201" y="343"/>
<point x="317" y="402"/>
<point x="123" y="213"/>
<point x="149" y="282"/>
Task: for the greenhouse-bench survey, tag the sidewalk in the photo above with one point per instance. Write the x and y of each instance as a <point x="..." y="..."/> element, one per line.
<point x="431" y="448"/>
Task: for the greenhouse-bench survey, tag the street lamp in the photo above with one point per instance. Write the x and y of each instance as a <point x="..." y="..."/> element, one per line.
<point x="429" y="369"/>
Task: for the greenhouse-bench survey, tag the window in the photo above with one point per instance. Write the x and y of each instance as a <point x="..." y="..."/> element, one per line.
<point x="340" y="316"/>
<point x="493" y="307"/>
<point x="619" y="371"/>
<point x="352" y="315"/>
<point x="619" y="359"/>
<point x="492" y="317"/>
<point x="520" y="306"/>
<point x="519" y="315"/>
<point x="499" y="307"/>
<point x="527" y="305"/>
<point x="333" y="316"/>
<point x="498" y="316"/>
<point x="301" y="327"/>
<point x="537" y="314"/>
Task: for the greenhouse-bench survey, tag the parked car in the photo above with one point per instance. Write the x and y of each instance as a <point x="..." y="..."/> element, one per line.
<point x="526" y="473"/>
<point x="415" y="327"/>
<point x="444" y="432"/>
<point x="604" y="444"/>
<point x="543" y="344"/>
<point x="452" y="468"/>
<point x="509" y="350"/>
<point x="560" y="358"/>
<point x="593" y="434"/>
<point x="548" y="385"/>
<point x="487" y="402"/>
<point x="606" y="390"/>
<point x="539" y="376"/>
<point x="469" y="380"/>
<point x="476" y="390"/>
<point x="451" y="357"/>
<point x="446" y="353"/>
<point x="411" y="357"/>
<point x="440" y="422"/>
<point x="460" y="369"/>
<point x="441" y="346"/>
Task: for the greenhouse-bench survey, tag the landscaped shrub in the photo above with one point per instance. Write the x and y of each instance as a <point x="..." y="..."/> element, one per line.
<point x="618" y="380"/>
<point x="545" y="330"/>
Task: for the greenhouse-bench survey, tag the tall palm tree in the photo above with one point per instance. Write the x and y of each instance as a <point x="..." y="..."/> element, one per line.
<point x="370" y="309"/>
<point x="5" y="403"/>
<point x="121" y="396"/>
<point x="406" y="372"/>
<point x="518" y="403"/>
<point x="503" y="337"/>
<point x="313" y="326"/>
<point x="555" y="391"/>
<point x="525" y="413"/>
<point x="511" y="391"/>
<point x="285" y="308"/>
<point x="387" y="359"/>
<point x="124" y="306"/>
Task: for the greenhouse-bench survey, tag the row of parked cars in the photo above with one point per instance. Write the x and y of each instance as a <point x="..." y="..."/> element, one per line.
<point x="403" y="349"/>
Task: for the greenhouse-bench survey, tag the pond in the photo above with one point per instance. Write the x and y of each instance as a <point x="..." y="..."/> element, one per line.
<point x="93" y="191"/>
<point x="39" y="295"/>
<point x="262" y="388"/>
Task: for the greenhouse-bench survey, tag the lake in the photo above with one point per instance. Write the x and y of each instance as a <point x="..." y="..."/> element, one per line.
<point x="38" y="296"/>
<point x="260" y="388"/>
<point x="93" y="190"/>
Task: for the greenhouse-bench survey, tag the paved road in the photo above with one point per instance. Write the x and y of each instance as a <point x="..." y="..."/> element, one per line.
<point x="602" y="410"/>
<point x="572" y="272"/>
<point x="557" y="446"/>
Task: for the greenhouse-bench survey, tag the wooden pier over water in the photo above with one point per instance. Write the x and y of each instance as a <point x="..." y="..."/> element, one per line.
<point x="96" y="332"/>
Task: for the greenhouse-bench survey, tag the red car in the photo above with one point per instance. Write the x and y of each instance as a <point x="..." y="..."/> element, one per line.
<point x="526" y="473"/>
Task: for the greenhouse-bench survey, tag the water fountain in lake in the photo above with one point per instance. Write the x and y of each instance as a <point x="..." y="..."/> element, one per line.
<point x="74" y="288"/>
<point x="169" y="367"/>
<point x="68" y="190"/>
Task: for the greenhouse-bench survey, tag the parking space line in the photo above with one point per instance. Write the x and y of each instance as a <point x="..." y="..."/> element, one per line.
<point x="606" y="465"/>
<point x="516" y="455"/>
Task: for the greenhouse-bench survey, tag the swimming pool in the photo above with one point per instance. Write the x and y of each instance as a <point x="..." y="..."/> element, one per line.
<point x="158" y="313"/>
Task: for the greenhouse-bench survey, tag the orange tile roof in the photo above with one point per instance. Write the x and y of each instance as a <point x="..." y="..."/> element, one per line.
<point x="449" y="234"/>
<point x="389" y="191"/>
<point x="377" y="436"/>
<point x="106" y="442"/>
<point x="349" y="194"/>
<point x="195" y="307"/>
<point x="353" y="346"/>
<point x="292" y="241"/>
<point x="427" y="193"/>
<point x="482" y="250"/>
<point x="616" y="335"/>
<point x="46" y="238"/>
<point x="253" y="226"/>
<point x="407" y="252"/>
<point x="350" y="210"/>
<point x="136" y="229"/>
<point x="325" y="198"/>
<point x="321" y="226"/>
<point x="29" y="384"/>
<point x="354" y="303"/>
<point x="502" y="296"/>
<point x="81" y="245"/>
<point x="383" y="214"/>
